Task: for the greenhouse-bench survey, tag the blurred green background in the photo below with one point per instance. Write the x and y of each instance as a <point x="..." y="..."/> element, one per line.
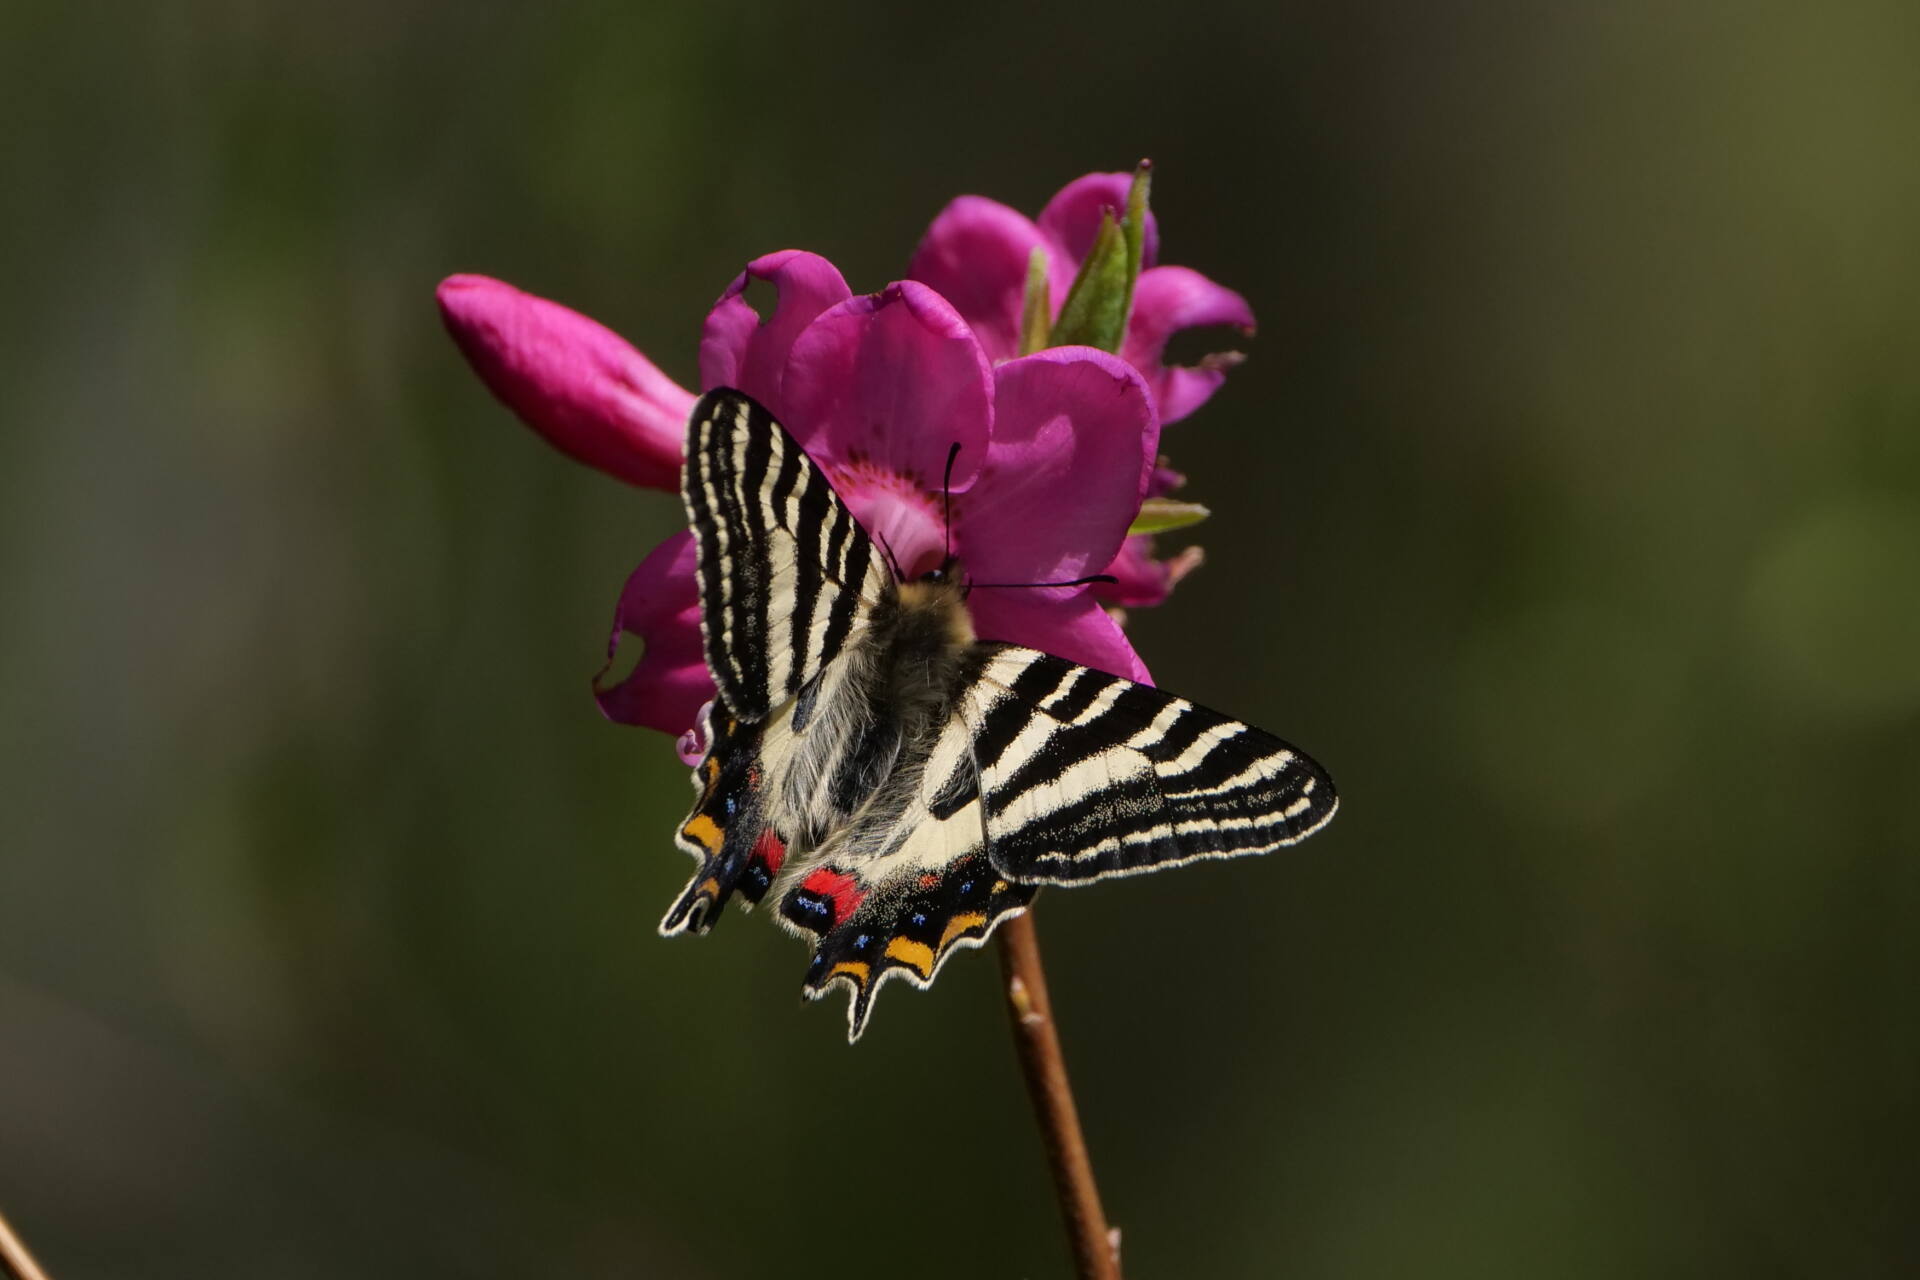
<point x="1568" y="508"/>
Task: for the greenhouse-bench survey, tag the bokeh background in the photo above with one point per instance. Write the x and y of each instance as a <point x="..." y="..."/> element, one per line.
<point x="1568" y="507"/>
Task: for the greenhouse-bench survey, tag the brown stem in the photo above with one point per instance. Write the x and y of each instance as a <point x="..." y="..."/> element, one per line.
<point x="1096" y="1250"/>
<point x="15" y="1262"/>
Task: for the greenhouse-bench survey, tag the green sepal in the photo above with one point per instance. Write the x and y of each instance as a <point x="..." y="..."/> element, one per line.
<point x="1096" y="310"/>
<point x="1036" y="305"/>
<point x="1163" y="515"/>
<point x="1136" y="231"/>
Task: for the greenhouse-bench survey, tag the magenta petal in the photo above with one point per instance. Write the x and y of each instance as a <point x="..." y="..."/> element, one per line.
<point x="892" y="379"/>
<point x="740" y="350"/>
<point x="975" y="256"/>
<point x="694" y="744"/>
<point x="1165" y="301"/>
<point x="661" y="605"/>
<point x="903" y="518"/>
<point x="1072" y="217"/>
<point x="572" y="379"/>
<point x="1074" y="441"/>
<point x="1140" y="580"/>
<point x="1069" y="624"/>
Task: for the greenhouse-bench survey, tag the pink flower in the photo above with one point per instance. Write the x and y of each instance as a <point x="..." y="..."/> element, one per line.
<point x="1056" y="449"/>
<point x="572" y="379"/>
<point x="976" y="253"/>
<point x="1141" y="580"/>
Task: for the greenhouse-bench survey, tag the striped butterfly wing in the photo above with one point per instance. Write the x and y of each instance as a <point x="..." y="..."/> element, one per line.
<point x="786" y="574"/>
<point x="1085" y="775"/>
<point x="904" y="885"/>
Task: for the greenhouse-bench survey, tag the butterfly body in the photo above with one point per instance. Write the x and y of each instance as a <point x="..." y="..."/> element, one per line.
<point x="895" y="785"/>
<point x="877" y="716"/>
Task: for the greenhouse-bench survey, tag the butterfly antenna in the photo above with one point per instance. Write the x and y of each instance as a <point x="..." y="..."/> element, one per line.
<point x="946" y="505"/>
<point x="891" y="558"/>
<point x="1076" y="582"/>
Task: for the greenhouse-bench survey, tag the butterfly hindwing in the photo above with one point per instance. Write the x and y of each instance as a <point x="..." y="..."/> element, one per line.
<point x="899" y="926"/>
<point x="728" y="831"/>
<point x="1085" y="775"/>
<point x="786" y="573"/>
<point x="904" y="885"/>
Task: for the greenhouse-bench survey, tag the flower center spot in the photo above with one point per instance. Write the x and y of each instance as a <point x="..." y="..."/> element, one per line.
<point x="897" y="513"/>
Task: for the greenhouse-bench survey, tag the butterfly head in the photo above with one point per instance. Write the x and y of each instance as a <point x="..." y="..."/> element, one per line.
<point x="946" y="573"/>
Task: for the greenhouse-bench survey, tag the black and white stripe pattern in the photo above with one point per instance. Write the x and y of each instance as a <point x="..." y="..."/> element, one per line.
<point x="786" y="573"/>
<point x="895" y="787"/>
<point x="1085" y="775"/>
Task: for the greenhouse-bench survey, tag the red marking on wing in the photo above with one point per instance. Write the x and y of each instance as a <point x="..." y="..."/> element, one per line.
<point x="842" y="888"/>
<point x="770" y="851"/>
<point x="929" y="880"/>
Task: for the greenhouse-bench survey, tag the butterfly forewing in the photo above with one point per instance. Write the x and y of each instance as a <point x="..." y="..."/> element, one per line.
<point x="1085" y="775"/>
<point x="786" y="573"/>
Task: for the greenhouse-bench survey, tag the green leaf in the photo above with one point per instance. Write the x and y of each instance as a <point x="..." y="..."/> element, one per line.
<point x="1136" y="229"/>
<point x="1161" y="515"/>
<point x="1036" y="305"/>
<point x="1096" y="310"/>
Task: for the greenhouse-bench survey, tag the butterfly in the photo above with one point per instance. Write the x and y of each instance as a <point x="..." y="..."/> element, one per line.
<point x="896" y="786"/>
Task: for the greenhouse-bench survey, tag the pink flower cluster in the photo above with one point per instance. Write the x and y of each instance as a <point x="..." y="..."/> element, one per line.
<point x="1058" y="448"/>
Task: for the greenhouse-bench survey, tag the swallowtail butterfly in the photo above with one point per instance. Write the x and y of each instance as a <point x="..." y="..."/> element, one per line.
<point x="895" y="785"/>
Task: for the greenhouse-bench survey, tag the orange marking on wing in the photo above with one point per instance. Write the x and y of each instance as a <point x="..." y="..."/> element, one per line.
<point x="917" y="956"/>
<point x="703" y="831"/>
<point x="855" y="969"/>
<point x="959" y="925"/>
